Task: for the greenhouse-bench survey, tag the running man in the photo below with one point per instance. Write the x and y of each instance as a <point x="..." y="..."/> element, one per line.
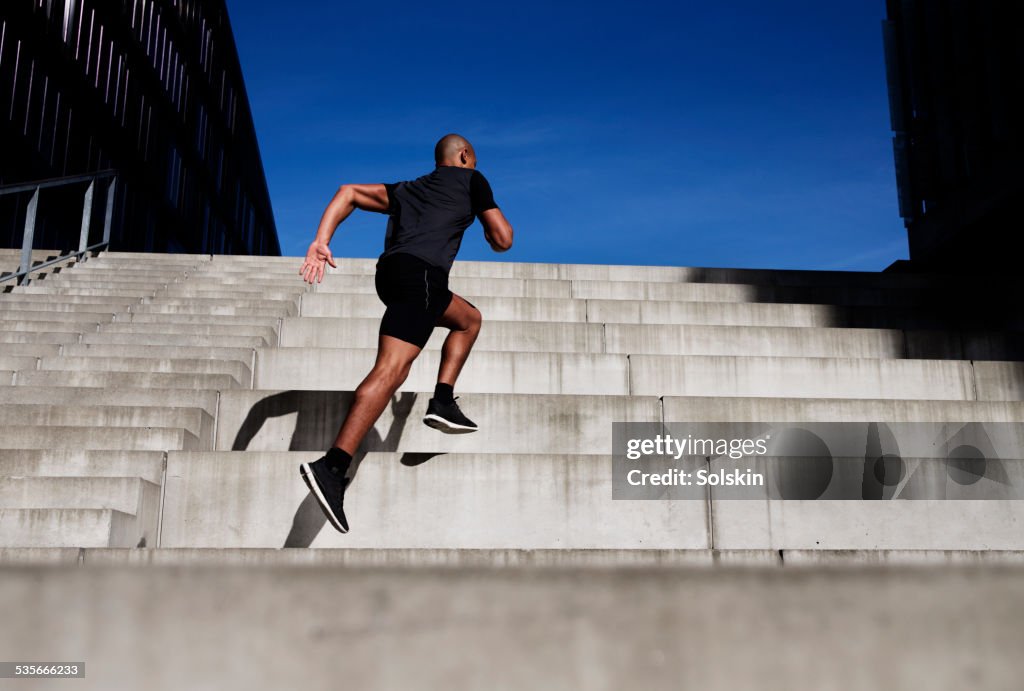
<point x="428" y="217"/>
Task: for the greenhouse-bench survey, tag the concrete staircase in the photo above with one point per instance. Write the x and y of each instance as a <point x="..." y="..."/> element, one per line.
<point x="165" y="402"/>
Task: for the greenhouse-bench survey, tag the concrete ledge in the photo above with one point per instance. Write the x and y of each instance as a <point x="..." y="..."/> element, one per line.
<point x="915" y="557"/>
<point x="108" y="350"/>
<point x="706" y="375"/>
<point x="68" y="437"/>
<point x="758" y="409"/>
<point x="41" y="555"/>
<point x="162" y="628"/>
<point x="30" y="349"/>
<point x="195" y="420"/>
<point x="360" y="558"/>
<point x="509" y="423"/>
<point x="69" y="528"/>
<point x="147" y="465"/>
<point x="486" y="371"/>
<point x="47" y="337"/>
<point x="452" y="501"/>
<point x="129" y="362"/>
<point x="118" y="381"/>
<point x="329" y="332"/>
<point x="416" y="558"/>
<point x="37" y="314"/>
<point x="184" y="339"/>
<point x="102" y="396"/>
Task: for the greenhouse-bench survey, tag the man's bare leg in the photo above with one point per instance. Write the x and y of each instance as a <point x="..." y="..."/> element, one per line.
<point x="394" y="358"/>
<point x="464" y="321"/>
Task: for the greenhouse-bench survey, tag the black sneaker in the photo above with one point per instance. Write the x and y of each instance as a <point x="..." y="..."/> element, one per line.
<point x="448" y="418"/>
<point x="326" y="480"/>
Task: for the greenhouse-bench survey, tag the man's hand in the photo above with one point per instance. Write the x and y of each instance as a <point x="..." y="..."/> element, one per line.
<point x="312" y="270"/>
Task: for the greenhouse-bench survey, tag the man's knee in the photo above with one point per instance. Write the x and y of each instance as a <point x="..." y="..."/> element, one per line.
<point x="476" y="320"/>
<point x="392" y="372"/>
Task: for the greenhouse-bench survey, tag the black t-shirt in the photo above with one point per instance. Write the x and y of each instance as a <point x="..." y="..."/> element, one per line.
<point x="430" y="214"/>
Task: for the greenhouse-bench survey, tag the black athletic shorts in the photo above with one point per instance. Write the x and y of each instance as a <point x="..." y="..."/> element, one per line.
<point x="416" y="294"/>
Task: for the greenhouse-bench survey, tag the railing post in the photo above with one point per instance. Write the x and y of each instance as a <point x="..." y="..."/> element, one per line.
<point x="111" y="189"/>
<point x="28" y="238"/>
<point x="83" y="240"/>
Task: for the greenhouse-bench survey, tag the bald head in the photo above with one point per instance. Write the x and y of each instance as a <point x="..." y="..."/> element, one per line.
<point x="454" y="150"/>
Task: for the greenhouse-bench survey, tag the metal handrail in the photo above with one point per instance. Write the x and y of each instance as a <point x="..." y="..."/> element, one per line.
<point x="26" y="267"/>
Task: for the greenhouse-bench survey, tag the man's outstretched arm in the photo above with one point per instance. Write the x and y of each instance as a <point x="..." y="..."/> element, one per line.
<point x="347" y="199"/>
<point x="497" y="229"/>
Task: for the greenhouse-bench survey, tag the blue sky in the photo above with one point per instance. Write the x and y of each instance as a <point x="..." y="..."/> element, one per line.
<point x="746" y="134"/>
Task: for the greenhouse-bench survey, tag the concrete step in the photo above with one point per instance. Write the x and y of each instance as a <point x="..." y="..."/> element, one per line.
<point x="147" y="465"/>
<point x="148" y="379"/>
<point x="229" y="295"/>
<point x="327" y="332"/>
<point x="521" y="270"/>
<point x="243" y="355"/>
<point x="729" y="292"/>
<point x="157" y="318"/>
<point x="17" y="362"/>
<point x="30" y="349"/>
<point x="100" y="277"/>
<point x="600" y="272"/>
<point x="11" y="325"/>
<point x="359" y="557"/>
<point x="809" y="342"/>
<point x="467" y="287"/>
<point x="70" y="527"/>
<point x="296" y="420"/>
<point x="233" y="499"/>
<point x="577" y="337"/>
<point x="103" y="273"/>
<point x="46" y="315"/>
<point x="842" y="294"/>
<point x="796" y="377"/>
<point x="267" y="333"/>
<point x="42" y="337"/>
<point x="257" y="307"/>
<point x="89" y="437"/>
<point x="127" y="363"/>
<point x="100" y="282"/>
<point x="60" y="291"/>
<point x="461" y="559"/>
<point x="541" y="372"/>
<point x="309" y="421"/>
<point x="131" y="495"/>
<point x="195" y="420"/>
<point x="254" y="286"/>
<point x="486" y="371"/>
<point x="164" y="259"/>
<point x="171" y="339"/>
<point x="6" y="378"/>
<point x="220" y="500"/>
<point x="789" y="314"/>
<point x="67" y="302"/>
<point x="213" y="308"/>
<point x="191" y="397"/>
<point x="531" y="628"/>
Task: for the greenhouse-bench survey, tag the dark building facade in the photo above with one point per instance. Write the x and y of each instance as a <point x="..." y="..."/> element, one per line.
<point x="956" y="86"/>
<point x="150" y="88"/>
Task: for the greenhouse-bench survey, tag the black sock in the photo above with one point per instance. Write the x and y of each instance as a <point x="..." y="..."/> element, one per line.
<point x="444" y="393"/>
<point x="338" y="460"/>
